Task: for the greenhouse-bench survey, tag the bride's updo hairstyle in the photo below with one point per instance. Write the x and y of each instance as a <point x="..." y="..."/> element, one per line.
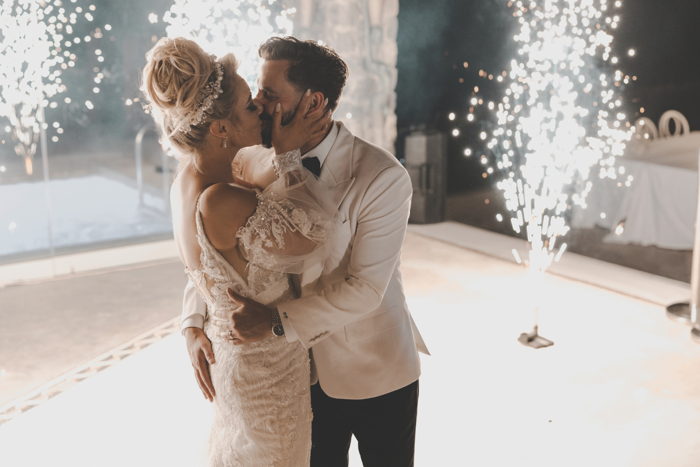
<point x="177" y="79"/>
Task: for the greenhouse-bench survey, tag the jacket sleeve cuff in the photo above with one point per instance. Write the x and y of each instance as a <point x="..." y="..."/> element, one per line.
<point x="192" y="321"/>
<point x="289" y="331"/>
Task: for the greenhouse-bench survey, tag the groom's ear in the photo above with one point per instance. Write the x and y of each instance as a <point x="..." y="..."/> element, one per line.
<point x="317" y="99"/>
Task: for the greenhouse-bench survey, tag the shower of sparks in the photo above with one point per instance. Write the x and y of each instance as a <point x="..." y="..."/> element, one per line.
<point x="237" y="26"/>
<point x="560" y="118"/>
<point x="37" y="43"/>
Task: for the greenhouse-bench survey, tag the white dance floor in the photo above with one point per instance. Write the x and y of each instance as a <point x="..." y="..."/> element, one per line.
<point x="620" y="387"/>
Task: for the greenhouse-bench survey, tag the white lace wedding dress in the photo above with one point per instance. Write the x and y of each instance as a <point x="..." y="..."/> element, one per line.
<point x="262" y="408"/>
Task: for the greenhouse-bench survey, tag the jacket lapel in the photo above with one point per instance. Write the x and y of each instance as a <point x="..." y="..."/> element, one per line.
<point x="337" y="168"/>
<point x="336" y="173"/>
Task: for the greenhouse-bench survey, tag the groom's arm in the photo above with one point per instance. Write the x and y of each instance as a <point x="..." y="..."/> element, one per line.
<point x="375" y="253"/>
<point x="194" y="309"/>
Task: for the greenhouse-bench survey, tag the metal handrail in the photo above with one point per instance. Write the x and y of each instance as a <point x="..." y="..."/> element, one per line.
<point x="138" y="153"/>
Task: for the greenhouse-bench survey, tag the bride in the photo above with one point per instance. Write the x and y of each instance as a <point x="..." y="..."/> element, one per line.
<point x="230" y="235"/>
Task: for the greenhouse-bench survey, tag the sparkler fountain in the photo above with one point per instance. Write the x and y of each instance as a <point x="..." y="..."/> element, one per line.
<point x="35" y="47"/>
<point x="559" y="121"/>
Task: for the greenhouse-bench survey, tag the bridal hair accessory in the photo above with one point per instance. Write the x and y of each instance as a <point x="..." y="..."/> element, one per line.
<point x="230" y="335"/>
<point x="210" y="92"/>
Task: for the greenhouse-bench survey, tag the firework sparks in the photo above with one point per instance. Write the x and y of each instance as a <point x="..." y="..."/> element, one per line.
<point x="36" y="44"/>
<point x="560" y="117"/>
<point x="232" y="26"/>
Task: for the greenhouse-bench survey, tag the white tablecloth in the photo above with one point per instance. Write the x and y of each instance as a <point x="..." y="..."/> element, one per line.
<point x="660" y="206"/>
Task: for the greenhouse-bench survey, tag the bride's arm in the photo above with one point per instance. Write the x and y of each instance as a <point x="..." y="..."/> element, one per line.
<point x="276" y="228"/>
<point x="293" y="223"/>
<point x="252" y="167"/>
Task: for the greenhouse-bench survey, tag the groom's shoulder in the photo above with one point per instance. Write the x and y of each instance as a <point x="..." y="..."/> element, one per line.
<point x="371" y="159"/>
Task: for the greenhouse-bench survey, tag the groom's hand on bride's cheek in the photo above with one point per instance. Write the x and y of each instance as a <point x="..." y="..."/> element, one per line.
<point x="250" y="322"/>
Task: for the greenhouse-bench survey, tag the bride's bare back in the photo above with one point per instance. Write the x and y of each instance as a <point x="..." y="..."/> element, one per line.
<point x="225" y="209"/>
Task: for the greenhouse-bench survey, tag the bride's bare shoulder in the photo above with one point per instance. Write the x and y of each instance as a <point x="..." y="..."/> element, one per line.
<point x="225" y="208"/>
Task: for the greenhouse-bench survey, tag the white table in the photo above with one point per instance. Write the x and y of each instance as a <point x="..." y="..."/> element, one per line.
<point x="659" y="207"/>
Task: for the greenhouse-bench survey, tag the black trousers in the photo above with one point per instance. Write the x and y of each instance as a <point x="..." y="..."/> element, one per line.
<point x="384" y="426"/>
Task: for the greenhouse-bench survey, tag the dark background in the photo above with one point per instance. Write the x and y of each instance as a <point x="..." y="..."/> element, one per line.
<point x="435" y="39"/>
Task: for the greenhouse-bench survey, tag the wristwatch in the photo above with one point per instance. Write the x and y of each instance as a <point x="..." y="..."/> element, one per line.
<point x="277" y="328"/>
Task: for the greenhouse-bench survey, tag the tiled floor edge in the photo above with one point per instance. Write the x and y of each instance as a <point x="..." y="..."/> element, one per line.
<point x="76" y="263"/>
<point x="638" y="284"/>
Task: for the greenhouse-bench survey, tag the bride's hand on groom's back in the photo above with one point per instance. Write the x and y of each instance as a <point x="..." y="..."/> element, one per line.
<point x="310" y="121"/>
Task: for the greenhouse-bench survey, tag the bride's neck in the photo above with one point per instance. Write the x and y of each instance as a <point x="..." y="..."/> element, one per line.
<point x="214" y="164"/>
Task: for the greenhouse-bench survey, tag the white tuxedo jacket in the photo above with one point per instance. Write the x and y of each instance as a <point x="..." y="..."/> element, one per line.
<point x="353" y="315"/>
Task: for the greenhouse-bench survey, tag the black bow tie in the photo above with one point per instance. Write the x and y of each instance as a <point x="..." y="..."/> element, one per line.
<point x="312" y="164"/>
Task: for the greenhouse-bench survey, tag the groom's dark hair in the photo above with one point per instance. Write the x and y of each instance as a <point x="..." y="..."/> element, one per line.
<point x="312" y="66"/>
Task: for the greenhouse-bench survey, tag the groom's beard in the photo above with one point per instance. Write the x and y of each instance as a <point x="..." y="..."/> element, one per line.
<point x="267" y="127"/>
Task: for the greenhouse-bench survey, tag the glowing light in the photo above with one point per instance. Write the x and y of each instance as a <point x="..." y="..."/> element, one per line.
<point x="455" y="132"/>
<point x="619" y="230"/>
<point x="33" y="39"/>
<point x="348" y="115"/>
<point x="451" y="116"/>
<point x="153" y="18"/>
<point x="561" y="252"/>
<point x="89" y="105"/>
<point x="470" y="117"/>
<point x="499" y="218"/>
<point x="554" y="123"/>
<point x="517" y="256"/>
<point x="631" y="52"/>
<point x="236" y="26"/>
<point x="467" y="152"/>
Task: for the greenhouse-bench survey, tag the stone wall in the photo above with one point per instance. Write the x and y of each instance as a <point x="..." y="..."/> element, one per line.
<point x="363" y="32"/>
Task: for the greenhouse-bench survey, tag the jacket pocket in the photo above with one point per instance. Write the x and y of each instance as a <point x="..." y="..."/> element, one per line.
<point x="372" y="325"/>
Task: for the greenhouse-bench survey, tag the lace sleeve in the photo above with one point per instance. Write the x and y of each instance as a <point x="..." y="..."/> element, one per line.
<point x="293" y="225"/>
<point x="253" y="166"/>
<point x="284" y="163"/>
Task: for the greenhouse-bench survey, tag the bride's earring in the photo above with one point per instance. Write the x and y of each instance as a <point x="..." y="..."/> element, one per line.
<point x="224" y="143"/>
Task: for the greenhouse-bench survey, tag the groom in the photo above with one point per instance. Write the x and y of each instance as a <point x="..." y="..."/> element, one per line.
<point x="352" y="315"/>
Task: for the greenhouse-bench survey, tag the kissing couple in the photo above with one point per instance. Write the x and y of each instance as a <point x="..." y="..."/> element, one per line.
<point x="290" y="229"/>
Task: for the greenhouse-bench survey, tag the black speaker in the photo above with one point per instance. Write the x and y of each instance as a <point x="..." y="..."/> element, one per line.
<point x="426" y="163"/>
